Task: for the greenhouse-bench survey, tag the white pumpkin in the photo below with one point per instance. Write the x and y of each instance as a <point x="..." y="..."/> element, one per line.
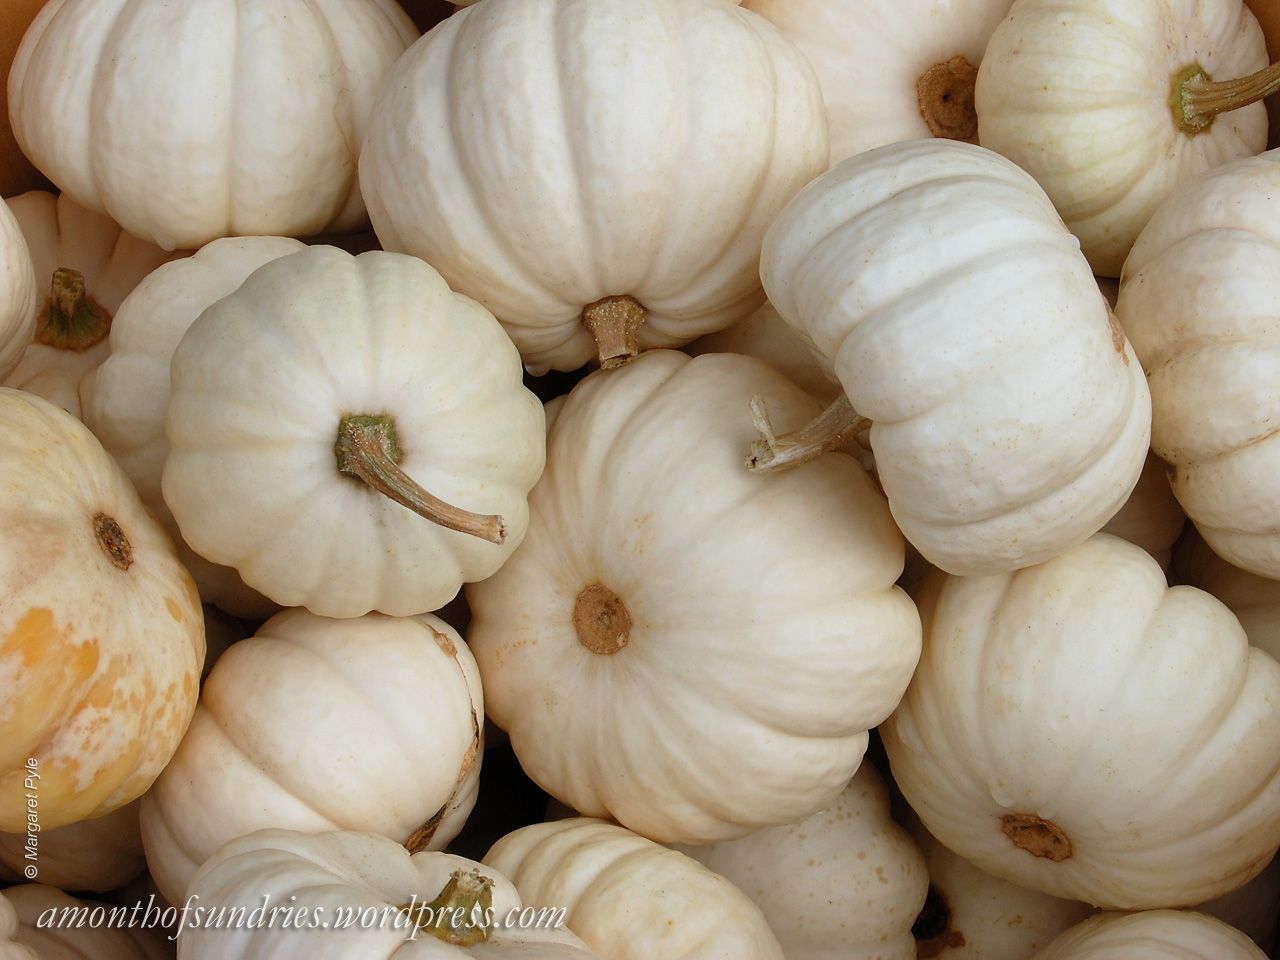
<point x="1078" y="93"/>
<point x="9" y="948"/>
<point x="85" y="266"/>
<point x="310" y="409"/>
<point x="99" y="854"/>
<point x="608" y="185"/>
<point x="846" y="883"/>
<point x="318" y="725"/>
<point x="1154" y="935"/>
<point x="1198" y="300"/>
<point x="1081" y="729"/>
<point x="17" y="293"/>
<point x="125" y="399"/>
<point x="650" y="582"/>
<point x="973" y="915"/>
<point x="250" y="123"/>
<point x="1253" y="599"/>
<point x="891" y="70"/>
<point x="361" y="895"/>
<point x="55" y="926"/>
<point x="1008" y="416"/>
<point x="1151" y="517"/>
<point x="629" y="898"/>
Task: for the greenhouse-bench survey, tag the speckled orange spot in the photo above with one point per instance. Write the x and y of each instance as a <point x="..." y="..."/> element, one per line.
<point x="35" y="637"/>
<point x="175" y="611"/>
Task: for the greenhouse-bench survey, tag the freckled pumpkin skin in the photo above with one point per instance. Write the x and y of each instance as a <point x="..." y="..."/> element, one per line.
<point x="101" y="630"/>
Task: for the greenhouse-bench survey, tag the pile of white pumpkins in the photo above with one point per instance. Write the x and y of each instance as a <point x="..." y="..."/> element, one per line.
<point x="1022" y="269"/>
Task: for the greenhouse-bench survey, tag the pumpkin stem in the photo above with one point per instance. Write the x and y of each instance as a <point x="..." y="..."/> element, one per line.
<point x="1196" y="99"/>
<point x="367" y="449"/>
<point x="944" y="94"/>
<point x="71" y="320"/>
<point x="615" y="323"/>
<point x="832" y="428"/>
<point x="463" y="912"/>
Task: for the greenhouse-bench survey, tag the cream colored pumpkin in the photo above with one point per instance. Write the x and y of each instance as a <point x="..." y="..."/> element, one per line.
<point x="846" y="883"/>
<point x="1253" y="599"/>
<point x="99" y="854"/>
<point x="1151" y="517"/>
<point x="318" y="725"/>
<point x="322" y="369"/>
<point x="1077" y="92"/>
<point x="891" y="70"/>
<point x="650" y="581"/>
<point x="249" y="124"/>
<point x="17" y="293"/>
<point x="9" y="949"/>
<point x="1198" y="300"/>
<point x="101" y="633"/>
<point x="1008" y="416"/>
<point x="973" y="915"/>
<point x="393" y="895"/>
<point x="629" y="898"/>
<point x="85" y="266"/>
<point x="616" y="167"/>
<point x="126" y="398"/>
<point x="1081" y="729"/>
<point x="50" y="925"/>
<point x="1154" y="935"/>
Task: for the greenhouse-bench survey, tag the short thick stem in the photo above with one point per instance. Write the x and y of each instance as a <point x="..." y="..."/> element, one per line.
<point x="462" y="914"/>
<point x="1196" y="99"/>
<point x="71" y="320"/>
<point x="367" y="448"/>
<point x="615" y="324"/>
<point x="833" y="428"/>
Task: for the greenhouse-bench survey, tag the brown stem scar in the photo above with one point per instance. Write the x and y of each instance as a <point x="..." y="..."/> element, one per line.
<point x="601" y="620"/>
<point x="1039" y="837"/>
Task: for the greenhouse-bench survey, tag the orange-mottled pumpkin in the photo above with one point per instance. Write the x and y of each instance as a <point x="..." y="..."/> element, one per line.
<point x="101" y="630"/>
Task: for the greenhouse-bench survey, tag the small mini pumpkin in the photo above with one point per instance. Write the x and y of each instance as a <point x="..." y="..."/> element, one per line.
<point x="17" y="292"/>
<point x="351" y="435"/>
<point x="1153" y="935"/>
<point x="101" y="631"/>
<point x="609" y="182"/>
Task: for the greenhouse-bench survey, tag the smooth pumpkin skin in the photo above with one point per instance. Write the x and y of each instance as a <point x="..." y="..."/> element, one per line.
<point x="846" y="883"/>
<point x="1010" y="419"/>
<point x="250" y="124"/>
<point x="17" y="293"/>
<point x="1197" y="299"/>
<point x="17" y="175"/>
<point x="629" y="898"/>
<point x="61" y="233"/>
<point x="100" y="652"/>
<point x="342" y="870"/>
<point x="252" y="478"/>
<point x="125" y="399"/>
<point x="31" y="901"/>
<point x="1124" y="730"/>
<point x="316" y="725"/>
<point x="870" y="55"/>
<point x="1077" y="93"/>
<point x="618" y="148"/>
<point x="645" y="496"/>
<point x="1153" y="935"/>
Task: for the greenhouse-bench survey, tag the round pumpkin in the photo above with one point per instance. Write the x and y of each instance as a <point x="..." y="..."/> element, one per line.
<point x="650" y="581"/>
<point x="85" y="266"/>
<point x="101" y="631"/>
<point x="1082" y="729"/>
<point x="846" y="883"/>
<point x="351" y="435"/>
<point x="1008" y="416"/>
<point x="629" y="898"/>
<point x="1153" y="935"/>
<point x="38" y="909"/>
<point x="891" y="70"/>
<point x="249" y="123"/>
<point x="1110" y="104"/>
<point x="318" y="725"/>
<point x="585" y="195"/>
<point x="429" y="905"/>
<point x="1197" y="299"/>
<point x="17" y="293"/>
<point x="125" y="399"/>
